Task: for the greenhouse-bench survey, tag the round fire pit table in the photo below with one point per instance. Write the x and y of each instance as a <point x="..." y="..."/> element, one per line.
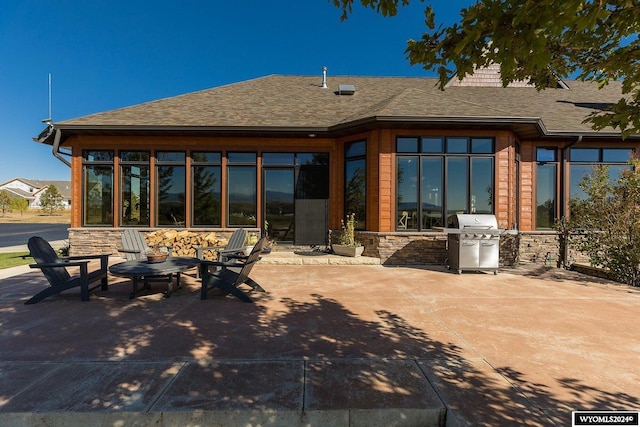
<point x="143" y="271"/>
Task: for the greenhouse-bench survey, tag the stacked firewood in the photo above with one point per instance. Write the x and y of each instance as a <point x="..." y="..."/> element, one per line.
<point x="184" y="243"/>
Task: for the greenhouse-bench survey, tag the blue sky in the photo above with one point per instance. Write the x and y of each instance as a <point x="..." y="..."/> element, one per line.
<point x="104" y="55"/>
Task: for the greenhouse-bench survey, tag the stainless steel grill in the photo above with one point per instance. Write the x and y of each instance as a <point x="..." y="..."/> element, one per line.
<point x="473" y="242"/>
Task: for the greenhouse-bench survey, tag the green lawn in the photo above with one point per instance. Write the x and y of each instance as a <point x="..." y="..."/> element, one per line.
<point x="14" y="259"/>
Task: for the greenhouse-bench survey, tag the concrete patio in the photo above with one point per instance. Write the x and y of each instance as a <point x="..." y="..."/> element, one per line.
<point x="327" y="345"/>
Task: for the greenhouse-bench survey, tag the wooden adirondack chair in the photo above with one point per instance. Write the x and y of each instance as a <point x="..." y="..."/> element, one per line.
<point x="235" y="245"/>
<point x="54" y="269"/>
<point x="134" y="246"/>
<point x="232" y="273"/>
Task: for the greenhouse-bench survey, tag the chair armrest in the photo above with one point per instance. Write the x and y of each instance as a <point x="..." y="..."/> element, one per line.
<point x="206" y="248"/>
<point x="79" y="257"/>
<point x="231" y="251"/>
<point x="241" y="257"/>
<point x="59" y="264"/>
<point x="104" y="259"/>
<point x="130" y="251"/>
<point x="237" y="255"/>
<point x="217" y="263"/>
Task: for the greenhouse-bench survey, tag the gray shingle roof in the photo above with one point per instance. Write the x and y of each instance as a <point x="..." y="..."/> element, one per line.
<point x="298" y="102"/>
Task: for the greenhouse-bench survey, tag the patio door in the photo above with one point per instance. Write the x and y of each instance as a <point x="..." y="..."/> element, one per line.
<point x="296" y="197"/>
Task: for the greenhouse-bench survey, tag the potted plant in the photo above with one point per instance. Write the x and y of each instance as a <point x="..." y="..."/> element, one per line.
<point x="348" y="246"/>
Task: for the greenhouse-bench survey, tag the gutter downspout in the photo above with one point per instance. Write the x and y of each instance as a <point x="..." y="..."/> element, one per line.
<point x="56" y="146"/>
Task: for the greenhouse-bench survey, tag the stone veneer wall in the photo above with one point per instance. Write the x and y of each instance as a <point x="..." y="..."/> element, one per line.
<point x="431" y="248"/>
<point x="541" y="247"/>
<point x="405" y="248"/>
<point x="421" y="248"/>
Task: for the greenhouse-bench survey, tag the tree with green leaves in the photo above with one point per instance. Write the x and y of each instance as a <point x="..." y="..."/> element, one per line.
<point x="51" y="200"/>
<point x="540" y="41"/>
<point x="605" y="225"/>
<point x="19" y="204"/>
<point x="5" y="201"/>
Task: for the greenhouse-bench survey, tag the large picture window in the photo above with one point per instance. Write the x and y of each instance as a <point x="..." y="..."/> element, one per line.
<point x="171" y="187"/>
<point x="206" y="184"/>
<point x="355" y="188"/>
<point x="241" y="189"/>
<point x="546" y="187"/>
<point x="440" y="176"/>
<point x="583" y="160"/>
<point x="134" y="192"/>
<point x="98" y="187"/>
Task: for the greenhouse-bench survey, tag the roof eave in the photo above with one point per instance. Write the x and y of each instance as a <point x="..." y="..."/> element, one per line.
<point x="535" y="124"/>
<point x="526" y="127"/>
<point x="193" y="130"/>
<point x="589" y="134"/>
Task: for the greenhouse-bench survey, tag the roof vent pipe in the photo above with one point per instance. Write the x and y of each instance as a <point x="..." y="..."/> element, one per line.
<point x="324" y="77"/>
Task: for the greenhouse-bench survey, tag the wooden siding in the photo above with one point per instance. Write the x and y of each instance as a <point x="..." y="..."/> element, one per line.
<point x="514" y="196"/>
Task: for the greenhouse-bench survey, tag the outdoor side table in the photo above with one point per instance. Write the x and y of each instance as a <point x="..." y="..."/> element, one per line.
<point x="142" y="271"/>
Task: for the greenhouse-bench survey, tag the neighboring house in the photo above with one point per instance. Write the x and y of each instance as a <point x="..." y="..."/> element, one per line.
<point x="31" y="190"/>
<point x="288" y="152"/>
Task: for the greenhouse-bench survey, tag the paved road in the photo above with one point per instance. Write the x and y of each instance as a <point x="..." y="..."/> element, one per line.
<point x="18" y="234"/>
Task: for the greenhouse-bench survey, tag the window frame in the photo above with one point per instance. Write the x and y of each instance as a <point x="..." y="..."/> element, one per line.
<point x="109" y="162"/>
<point x="178" y="221"/>
<point x="128" y="162"/>
<point x="546" y="158"/>
<point x="215" y="163"/>
<point x="241" y="163"/>
<point x="354" y="158"/>
<point x="599" y="159"/>
<point x="441" y="147"/>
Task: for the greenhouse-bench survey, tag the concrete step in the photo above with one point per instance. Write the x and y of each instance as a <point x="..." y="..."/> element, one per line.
<point x="271" y="392"/>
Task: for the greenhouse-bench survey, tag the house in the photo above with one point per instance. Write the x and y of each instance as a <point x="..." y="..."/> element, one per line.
<point x="297" y="153"/>
<point x="31" y="190"/>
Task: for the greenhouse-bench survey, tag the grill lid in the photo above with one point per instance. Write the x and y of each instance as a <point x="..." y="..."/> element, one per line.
<point x="473" y="221"/>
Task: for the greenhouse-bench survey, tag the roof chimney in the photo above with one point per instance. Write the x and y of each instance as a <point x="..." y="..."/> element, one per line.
<point x="324" y="78"/>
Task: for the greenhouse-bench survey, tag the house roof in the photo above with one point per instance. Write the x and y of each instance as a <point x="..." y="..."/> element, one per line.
<point x="64" y="187"/>
<point x="281" y="103"/>
<point x="18" y="192"/>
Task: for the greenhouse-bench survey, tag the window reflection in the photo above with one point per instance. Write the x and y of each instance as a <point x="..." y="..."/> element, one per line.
<point x="171" y="187"/>
<point x="171" y="195"/>
<point x="431" y="186"/>
<point x="271" y="159"/>
<point x="98" y="187"/>
<point x="577" y="174"/>
<point x="457" y="185"/>
<point x="98" y="195"/>
<point x="583" y="160"/>
<point x="242" y="195"/>
<point x="481" y="185"/>
<point x="545" y="195"/>
<point x="457" y="145"/>
<point x="355" y="182"/>
<point x="407" y="193"/>
<point x="279" y="203"/>
<point x="206" y="195"/>
<point x="432" y="192"/>
<point x="135" y="195"/>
